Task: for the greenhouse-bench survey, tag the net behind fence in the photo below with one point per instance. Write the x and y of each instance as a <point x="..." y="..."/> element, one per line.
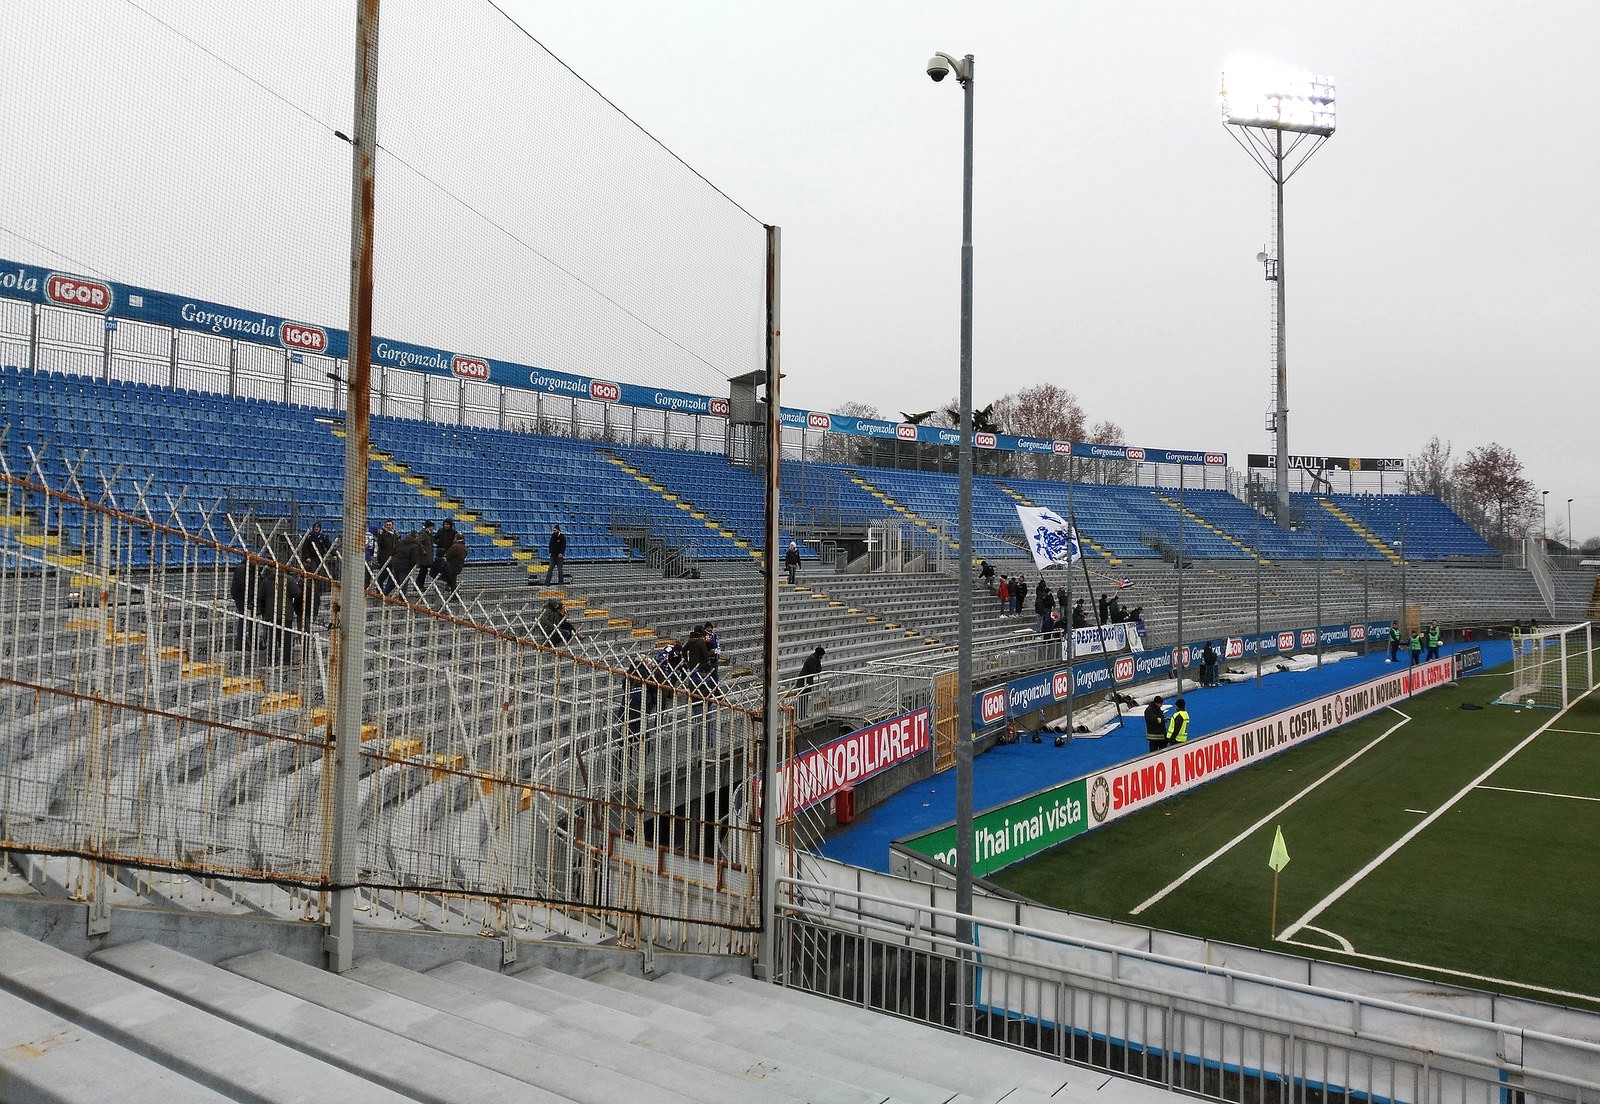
<point x="165" y="706"/>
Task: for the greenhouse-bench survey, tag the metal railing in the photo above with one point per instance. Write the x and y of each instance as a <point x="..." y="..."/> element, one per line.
<point x="164" y="706"/>
<point x="1212" y="1031"/>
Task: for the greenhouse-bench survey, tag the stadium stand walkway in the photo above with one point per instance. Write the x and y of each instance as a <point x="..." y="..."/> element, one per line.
<point x="142" y="1022"/>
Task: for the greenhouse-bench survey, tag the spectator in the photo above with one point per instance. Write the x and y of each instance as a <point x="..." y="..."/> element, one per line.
<point x="1114" y="610"/>
<point x="1136" y="614"/>
<point x="1080" y="616"/>
<point x="791" y="562"/>
<point x="1019" y="591"/>
<point x="1208" y="665"/>
<point x="442" y="541"/>
<point x="1005" y="596"/>
<point x="1155" y="725"/>
<point x="243" y="579"/>
<point x="811" y="668"/>
<point x="1044" y="606"/>
<point x="557" y="575"/>
<point x="553" y="626"/>
<point x="454" y="560"/>
<point x="422" y="552"/>
<point x="715" y="644"/>
<point x="986" y="573"/>
<point x="700" y="660"/>
<point x="388" y="542"/>
<point x="1104" y="610"/>
<point x="645" y="691"/>
<point x="316" y="556"/>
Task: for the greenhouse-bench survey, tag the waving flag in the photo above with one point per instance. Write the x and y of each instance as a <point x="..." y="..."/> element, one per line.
<point x="1049" y="537"/>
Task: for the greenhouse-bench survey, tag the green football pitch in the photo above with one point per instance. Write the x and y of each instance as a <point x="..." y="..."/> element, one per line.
<point x="1429" y="840"/>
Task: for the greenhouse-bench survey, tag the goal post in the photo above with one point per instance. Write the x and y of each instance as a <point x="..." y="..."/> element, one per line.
<point x="1551" y="667"/>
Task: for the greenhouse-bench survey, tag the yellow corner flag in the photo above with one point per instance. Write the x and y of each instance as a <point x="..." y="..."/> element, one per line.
<point x="1280" y="853"/>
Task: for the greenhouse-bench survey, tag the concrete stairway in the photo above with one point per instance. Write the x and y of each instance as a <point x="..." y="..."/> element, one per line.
<point x="144" y="1022"/>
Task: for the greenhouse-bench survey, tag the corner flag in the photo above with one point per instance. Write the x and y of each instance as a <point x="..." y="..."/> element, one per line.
<point x="1049" y="537"/>
<point x="1280" y="853"/>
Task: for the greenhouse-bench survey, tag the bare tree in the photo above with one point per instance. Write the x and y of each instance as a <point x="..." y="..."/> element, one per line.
<point x="842" y="448"/>
<point x="1491" y="483"/>
<point x="1043" y="410"/>
<point x="1429" y="470"/>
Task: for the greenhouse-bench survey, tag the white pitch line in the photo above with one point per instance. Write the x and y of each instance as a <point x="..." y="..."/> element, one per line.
<point x="1539" y="793"/>
<point x="1344" y="944"/>
<point x="1421" y="967"/>
<point x="1236" y="840"/>
<point x="1316" y="910"/>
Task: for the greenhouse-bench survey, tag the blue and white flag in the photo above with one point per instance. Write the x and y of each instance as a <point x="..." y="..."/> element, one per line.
<point x="1050" y="538"/>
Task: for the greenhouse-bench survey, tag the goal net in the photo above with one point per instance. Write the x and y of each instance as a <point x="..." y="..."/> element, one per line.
<point x="1551" y="667"/>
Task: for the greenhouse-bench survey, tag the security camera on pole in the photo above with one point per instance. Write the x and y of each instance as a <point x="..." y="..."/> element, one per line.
<point x="940" y="66"/>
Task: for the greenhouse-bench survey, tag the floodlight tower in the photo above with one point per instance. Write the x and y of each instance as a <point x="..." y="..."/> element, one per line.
<point x="1260" y="104"/>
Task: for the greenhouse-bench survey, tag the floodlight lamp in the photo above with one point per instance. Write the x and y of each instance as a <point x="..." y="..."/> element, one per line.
<point x="1255" y="94"/>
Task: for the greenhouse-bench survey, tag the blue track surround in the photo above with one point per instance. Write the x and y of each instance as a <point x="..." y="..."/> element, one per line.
<point x="1009" y="771"/>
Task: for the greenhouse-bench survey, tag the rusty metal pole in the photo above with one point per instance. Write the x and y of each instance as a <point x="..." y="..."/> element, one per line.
<point x="347" y="650"/>
<point x="766" y="955"/>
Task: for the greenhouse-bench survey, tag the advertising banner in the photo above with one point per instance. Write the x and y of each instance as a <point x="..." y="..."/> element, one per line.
<point x="49" y="287"/>
<point x="1012" y="832"/>
<point x="1151" y="778"/>
<point x="813" y="777"/>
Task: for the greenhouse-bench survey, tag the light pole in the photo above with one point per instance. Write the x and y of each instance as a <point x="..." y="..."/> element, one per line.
<point x="940" y="66"/>
<point x="1260" y="106"/>
<point x="1571" y="540"/>
<point x="1544" y="518"/>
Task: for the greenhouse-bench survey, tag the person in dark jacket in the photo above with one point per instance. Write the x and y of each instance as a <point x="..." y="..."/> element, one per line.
<point x="811" y="668"/>
<point x="455" y="558"/>
<point x="1044" y="606"/>
<point x="1155" y="725"/>
<point x="1019" y="591"/>
<point x="553" y="626"/>
<point x="243" y="579"/>
<point x="388" y="545"/>
<point x="791" y="562"/>
<point x="316" y="556"/>
<point x="557" y="575"/>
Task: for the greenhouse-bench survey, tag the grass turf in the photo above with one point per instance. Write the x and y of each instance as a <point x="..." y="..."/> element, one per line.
<point x="1498" y="891"/>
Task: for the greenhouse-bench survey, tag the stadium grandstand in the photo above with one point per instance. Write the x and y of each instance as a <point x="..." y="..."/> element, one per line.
<point x="552" y="843"/>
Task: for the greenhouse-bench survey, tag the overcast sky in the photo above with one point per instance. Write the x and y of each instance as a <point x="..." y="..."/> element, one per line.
<point x="1443" y="249"/>
<point x="1442" y="259"/>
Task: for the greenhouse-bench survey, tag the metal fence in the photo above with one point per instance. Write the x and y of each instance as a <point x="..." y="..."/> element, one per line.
<point x="1218" y="1032"/>
<point x="165" y="706"/>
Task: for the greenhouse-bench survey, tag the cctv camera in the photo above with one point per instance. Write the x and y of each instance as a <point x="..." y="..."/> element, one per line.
<point x="938" y="67"/>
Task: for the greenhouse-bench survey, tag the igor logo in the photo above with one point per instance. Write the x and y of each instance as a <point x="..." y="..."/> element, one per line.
<point x="719" y="407"/>
<point x="471" y="368"/>
<point x="983" y="440"/>
<point x="294" y="335"/>
<point x="1122" y="670"/>
<point x="818" y="421"/>
<point x="905" y="431"/>
<point x="1061" y="685"/>
<point x="602" y="391"/>
<point x="1061" y="448"/>
<point x="1358" y="633"/>
<point x="69" y="291"/>
<point x="1136" y="454"/>
<point x="1286" y="642"/>
<point x="1216" y="458"/>
<point x="1308" y="638"/>
<point x="993" y="705"/>
<point x="1233" y="649"/>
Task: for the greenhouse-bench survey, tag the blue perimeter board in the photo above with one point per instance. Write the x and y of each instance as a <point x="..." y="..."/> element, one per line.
<point x="1009" y="771"/>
